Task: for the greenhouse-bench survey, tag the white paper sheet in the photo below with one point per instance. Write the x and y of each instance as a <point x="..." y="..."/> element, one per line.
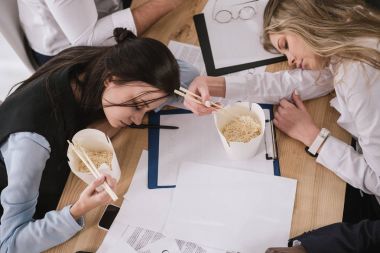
<point x="197" y="140"/>
<point x="143" y="207"/>
<point x="139" y="240"/>
<point x="121" y="247"/>
<point x="149" y="208"/>
<point x="231" y="209"/>
<point x="243" y="36"/>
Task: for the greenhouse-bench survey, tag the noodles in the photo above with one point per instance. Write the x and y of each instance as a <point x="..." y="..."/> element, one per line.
<point x="242" y="129"/>
<point x="97" y="157"/>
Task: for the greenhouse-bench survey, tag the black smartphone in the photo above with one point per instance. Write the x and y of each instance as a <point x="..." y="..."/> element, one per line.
<point x="108" y="216"/>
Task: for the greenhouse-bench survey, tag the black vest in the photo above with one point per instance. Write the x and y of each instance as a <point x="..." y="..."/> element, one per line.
<point x="53" y="113"/>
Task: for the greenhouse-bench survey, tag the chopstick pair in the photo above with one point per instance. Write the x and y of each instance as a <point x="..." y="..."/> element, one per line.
<point x="81" y="153"/>
<point x="198" y="99"/>
<point x="195" y="98"/>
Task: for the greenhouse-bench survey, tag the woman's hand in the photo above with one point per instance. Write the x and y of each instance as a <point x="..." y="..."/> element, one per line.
<point x="205" y="86"/>
<point x="199" y="86"/>
<point x="91" y="198"/>
<point x="296" y="249"/>
<point x="295" y="121"/>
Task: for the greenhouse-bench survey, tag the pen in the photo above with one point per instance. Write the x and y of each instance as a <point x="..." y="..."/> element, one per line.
<point x="141" y="126"/>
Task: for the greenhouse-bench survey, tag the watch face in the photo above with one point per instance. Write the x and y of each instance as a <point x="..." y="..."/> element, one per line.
<point x="324" y="133"/>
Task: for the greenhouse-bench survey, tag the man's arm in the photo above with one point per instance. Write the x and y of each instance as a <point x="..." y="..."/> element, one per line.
<point x="363" y="237"/>
<point x="150" y="12"/>
<point x="81" y="25"/>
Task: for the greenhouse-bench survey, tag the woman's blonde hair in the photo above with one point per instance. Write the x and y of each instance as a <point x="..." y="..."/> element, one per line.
<point x="329" y="27"/>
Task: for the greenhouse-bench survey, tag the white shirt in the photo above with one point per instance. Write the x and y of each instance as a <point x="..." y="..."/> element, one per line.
<point x="54" y="25"/>
<point x="357" y="87"/>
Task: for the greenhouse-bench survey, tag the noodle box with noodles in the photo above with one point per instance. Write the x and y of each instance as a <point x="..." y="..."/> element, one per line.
<point x="240" y="150"/>
<point x="93" y="142"/>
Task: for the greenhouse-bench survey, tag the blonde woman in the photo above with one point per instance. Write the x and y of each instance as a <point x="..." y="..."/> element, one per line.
<point x="332" y="45"/>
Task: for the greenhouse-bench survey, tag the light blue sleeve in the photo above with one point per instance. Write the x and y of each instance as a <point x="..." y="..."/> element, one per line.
<point x="25" y="155"/>
<point x="187" y="74"/>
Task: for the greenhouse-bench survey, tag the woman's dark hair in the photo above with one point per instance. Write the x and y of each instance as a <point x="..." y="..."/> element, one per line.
<point x="131" y="59"/>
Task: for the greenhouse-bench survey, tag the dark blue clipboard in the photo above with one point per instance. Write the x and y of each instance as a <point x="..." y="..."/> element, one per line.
<point x="154" y="139"/>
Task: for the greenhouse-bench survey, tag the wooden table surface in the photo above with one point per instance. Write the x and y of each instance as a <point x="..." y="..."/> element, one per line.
<point x="320" y="194"/>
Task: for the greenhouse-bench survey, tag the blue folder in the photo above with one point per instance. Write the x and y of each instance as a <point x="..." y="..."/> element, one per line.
<point x="154" y="139"/>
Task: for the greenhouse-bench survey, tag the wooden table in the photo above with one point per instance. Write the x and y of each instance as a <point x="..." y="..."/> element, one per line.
<point x="320" y="194"/>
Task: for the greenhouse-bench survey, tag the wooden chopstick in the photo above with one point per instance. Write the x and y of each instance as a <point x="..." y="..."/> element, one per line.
<point x="105" y="185"/>
<point x="92" y="168"/>
<point x="197" y="96"/>
<point x="185" y="92"/>
<point x="189" y="97"/>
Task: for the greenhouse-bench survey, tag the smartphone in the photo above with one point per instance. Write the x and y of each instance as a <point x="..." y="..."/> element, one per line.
<point x="108" y="216"/>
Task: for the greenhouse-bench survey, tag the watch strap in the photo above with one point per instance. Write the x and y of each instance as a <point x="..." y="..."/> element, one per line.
<point x="321" y="137"/>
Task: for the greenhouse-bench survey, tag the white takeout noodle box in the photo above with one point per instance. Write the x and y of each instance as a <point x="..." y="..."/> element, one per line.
<point x="93" y="140"/>
<point x="240" y="150"/>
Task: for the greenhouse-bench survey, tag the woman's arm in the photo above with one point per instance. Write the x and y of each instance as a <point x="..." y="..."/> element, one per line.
<point x="25" y="156"/>
<point x="358" y="95"/>
<point x="261" y="88"/>
<point x="150" y="12"/>
<point x="359" y="91"/>
<point x="270" y="88"/>
<point x="351" y="166"/>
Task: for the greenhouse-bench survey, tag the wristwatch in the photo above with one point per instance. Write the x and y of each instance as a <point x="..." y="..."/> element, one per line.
<point x="317" y="143"/>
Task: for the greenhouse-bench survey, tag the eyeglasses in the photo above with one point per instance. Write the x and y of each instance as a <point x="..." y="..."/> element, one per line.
<point x="245" y="11"/>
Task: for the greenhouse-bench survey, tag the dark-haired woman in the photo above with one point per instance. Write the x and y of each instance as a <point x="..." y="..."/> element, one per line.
<point x="80" y="85"/>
